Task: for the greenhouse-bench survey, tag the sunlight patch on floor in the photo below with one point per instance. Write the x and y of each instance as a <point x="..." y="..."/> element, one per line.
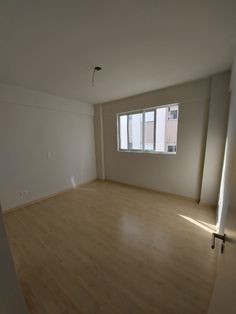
<point x="203" y="225"/>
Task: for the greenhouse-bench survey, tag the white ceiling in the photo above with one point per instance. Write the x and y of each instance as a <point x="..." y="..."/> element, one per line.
<point x="142" y="45"/>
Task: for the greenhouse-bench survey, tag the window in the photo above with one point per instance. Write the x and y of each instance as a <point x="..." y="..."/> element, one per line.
<point x="171" y="148"/>
<point x="123" y="132"/>
<point x="135" y="139"/>
<point x="172" y="113"/>
<point x="150" y="130"/>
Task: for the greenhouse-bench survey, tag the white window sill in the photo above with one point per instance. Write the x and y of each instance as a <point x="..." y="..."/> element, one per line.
<point x="145" y="152"/>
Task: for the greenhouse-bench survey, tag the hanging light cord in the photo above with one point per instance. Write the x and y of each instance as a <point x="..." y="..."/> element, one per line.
<point x="93" y="76"/>
<point x="97" y="68"/>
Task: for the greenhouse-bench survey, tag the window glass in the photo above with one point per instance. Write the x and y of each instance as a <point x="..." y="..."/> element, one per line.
<point x="123" y="132"/>
<point x="171" y="148"/>
<point x="173" y="112"/>
<point x="149" y="130"/>
<point x="161" y="115"/>
<point x="135" y="131"/>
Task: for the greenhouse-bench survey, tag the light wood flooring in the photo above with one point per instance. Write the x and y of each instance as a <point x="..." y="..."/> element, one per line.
<point x="113" y="249"/>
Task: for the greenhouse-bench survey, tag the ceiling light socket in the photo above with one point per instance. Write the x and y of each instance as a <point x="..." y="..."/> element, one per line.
<point x="97" y="68"/>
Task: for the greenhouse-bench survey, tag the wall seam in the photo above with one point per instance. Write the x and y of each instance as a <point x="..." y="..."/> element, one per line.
<point x="205" y="140"/>
<point x="102" y="143"/>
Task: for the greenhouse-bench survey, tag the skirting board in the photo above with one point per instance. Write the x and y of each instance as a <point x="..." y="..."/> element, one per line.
<point x="208" y="205"/>
<point x="164" y="193"/>
<point x="9" y="210"/>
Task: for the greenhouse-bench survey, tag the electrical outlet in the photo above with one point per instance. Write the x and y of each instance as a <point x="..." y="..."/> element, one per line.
<point x="23" y="193"/>
<point x="49" y="155"/>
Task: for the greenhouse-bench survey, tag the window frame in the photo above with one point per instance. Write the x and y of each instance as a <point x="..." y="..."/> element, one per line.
<point x="128" y="142"/>
<point x="142" y="111"/>
<point x="154" y="131"/>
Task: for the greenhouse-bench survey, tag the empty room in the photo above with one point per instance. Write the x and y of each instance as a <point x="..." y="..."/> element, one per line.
<point x="118" y="157"/>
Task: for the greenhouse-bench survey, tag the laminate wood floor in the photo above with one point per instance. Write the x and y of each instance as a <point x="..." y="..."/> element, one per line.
<point x="110" y="248"/>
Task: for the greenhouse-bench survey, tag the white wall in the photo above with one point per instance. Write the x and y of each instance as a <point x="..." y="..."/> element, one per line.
<point x="181" y="173"/>
<point x="46" y="144"/>
<point x="216" y="135"/>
